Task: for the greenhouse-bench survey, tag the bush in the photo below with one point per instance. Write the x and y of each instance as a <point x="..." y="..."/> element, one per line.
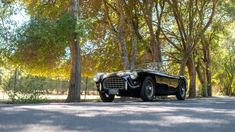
<point x="24" y="89"/>
<point x="25" y="99"/>
<point x="27" y="88"/>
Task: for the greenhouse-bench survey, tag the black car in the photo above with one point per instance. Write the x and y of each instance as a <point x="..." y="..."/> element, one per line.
<point x="144" y="83"/>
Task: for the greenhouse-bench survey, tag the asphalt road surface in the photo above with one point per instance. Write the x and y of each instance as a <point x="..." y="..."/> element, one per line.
<point x="194" y="115"/>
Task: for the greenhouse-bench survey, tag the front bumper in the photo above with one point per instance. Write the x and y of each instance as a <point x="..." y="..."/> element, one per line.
<point x="131" y="88"/>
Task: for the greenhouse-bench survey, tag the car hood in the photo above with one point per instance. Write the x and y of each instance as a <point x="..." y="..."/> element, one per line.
<point x="137" y="71"/>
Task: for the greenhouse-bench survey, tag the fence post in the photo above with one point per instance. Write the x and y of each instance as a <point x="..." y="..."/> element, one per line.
<point x="86" y="88"/>
<point x="14" y="85"/>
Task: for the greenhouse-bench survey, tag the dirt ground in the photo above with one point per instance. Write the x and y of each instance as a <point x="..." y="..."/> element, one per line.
<point x="4" y="97"/>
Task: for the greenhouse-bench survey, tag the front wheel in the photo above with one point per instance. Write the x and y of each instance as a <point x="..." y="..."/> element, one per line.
<point x="106" y="97"/>
<point x="148" y="89"/>
<point x="181" y="90"/>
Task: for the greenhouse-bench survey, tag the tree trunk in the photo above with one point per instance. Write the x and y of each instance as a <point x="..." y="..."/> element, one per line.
<point x="209" y="86"/>
<point x="207" y="61"/>
<point x="208" y="71"/>
<point x="183" y="65"/>
<point x="129" y="9"/>
<point x="202" y="78"/>
<point x="227" y="89"/>
<point x="155" y="45"/>
<point x="134" y="49"/>
<point x="75" y="73"/>
<point x="156" y="50"/>
<point x="158" y="47"/>
<point x="159" y="4"/>
<point x="192" y="76"/>
<point x="121" y="38"/>
<point x="228" y="86"/>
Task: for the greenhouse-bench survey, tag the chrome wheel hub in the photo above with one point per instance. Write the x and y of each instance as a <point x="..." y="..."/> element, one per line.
<point x="149" y="89"/>
<point x="182" y="91"/>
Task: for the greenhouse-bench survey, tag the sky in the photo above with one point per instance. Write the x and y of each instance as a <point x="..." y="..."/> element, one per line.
<point x="13" y="22"/>
<point x="21" y="16"/>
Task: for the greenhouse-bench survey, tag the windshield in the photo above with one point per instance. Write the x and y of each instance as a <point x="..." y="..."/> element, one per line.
<point x="151" y="66"/>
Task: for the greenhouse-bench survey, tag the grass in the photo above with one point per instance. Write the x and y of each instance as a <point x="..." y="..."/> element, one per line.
<point x="39" y="101"/>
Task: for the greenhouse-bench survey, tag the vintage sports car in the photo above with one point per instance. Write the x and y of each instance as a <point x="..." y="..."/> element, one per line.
<point x="144" y="83"/>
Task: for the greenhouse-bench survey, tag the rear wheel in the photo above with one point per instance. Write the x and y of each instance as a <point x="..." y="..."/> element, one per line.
<point x="148" y="89"/>
<point x="181" y="90"/>
<point x="106" y="97"/>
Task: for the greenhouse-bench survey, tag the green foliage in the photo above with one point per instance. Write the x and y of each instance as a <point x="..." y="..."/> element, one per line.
<point x="32" y="89"/>
<point x="41" y="46"/>
<point x="83" y="26"/>
<point x="7" y="26"/>
<point x="229" y="7"/>
<point x="23" y="89"/>
<point x="42" y="42"/>
<point x="28" y="84"/>
<point x="224" y="64"/>
<point x="26" y="99"/>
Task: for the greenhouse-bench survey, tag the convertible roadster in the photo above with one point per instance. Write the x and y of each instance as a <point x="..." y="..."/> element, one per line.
<point x="144" y="83"/>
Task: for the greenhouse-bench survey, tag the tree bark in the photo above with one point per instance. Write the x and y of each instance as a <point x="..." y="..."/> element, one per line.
<point x="132" y="18"/>
<point x="208" y="70"/>
<point x="121" y="38"/>
<point x="75" y="73"/>
<point x="183" y="65"/>
<point x="134" y="49"/>
<point x="202" y="78"/>
<point x="192" y="76"/>
<point x="156" y="50"/>
<point x="228" y="86"/>
<point x="161" y="4"/>
<point x="207" y="61"/>
<point x="231" y="82"/>
<point x="155" y="45"/>
<point x="209" y="85"/>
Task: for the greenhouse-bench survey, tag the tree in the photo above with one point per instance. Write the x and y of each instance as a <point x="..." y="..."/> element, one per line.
<point x="120" y="36"/>
<point x="7" y="26"/>
<point x="147" y="7"/>
<point x="225" y="65"/>
<point x="209" y="43"/>
<point x="179" y="34"/>
<point x="55" y="30"/>
<point x="190" y="18"/>
<point x="75" y="75"/>
<point x="126" y="22"/>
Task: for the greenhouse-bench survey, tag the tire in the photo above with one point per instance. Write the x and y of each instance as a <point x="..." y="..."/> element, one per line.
<point x="106" y="97"/>
<point x="147" y="92"/>
<point x="181" y="90"/>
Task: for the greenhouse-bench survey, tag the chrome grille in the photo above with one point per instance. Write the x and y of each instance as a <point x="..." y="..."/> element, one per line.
<point x="114" y="82"/>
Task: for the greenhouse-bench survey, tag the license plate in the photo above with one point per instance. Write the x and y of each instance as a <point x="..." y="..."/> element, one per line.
<point x="113" y="91"/>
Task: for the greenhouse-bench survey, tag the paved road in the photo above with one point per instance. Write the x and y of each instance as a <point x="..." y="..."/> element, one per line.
<point x="197" y="115"/>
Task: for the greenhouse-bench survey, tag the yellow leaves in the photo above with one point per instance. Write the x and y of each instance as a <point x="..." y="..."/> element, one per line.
<point x="39" y="8"/>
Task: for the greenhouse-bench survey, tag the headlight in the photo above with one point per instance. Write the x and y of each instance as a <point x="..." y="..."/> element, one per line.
<point x="134" y="75"/>
<point x="121" y="73"/>
<point x="98" y="76"/>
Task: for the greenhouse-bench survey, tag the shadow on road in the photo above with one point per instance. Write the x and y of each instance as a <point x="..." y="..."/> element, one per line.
<point x="214" y="114"/>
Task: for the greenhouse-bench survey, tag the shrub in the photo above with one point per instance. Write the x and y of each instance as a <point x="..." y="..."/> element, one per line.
<point x="24" y="89"/>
